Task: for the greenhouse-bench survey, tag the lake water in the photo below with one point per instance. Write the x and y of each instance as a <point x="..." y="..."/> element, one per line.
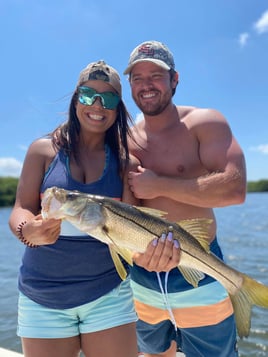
<point x="242" y="232"/>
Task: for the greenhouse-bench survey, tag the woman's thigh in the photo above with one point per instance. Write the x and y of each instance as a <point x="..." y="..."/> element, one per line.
<point x="47" y="347"/>
<point x="118" y="341"/>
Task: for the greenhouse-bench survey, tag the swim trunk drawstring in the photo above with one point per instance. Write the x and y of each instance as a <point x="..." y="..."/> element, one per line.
<point x="165" y="297"/>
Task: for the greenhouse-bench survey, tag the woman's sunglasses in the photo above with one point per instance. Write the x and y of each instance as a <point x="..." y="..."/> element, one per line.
<point x="87" y="96"/>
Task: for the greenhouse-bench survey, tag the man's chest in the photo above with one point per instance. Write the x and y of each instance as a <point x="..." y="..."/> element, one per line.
<point x="170" y="160"/>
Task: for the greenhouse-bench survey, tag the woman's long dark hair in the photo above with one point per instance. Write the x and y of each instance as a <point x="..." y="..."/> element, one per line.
<point x="66" y="135"/>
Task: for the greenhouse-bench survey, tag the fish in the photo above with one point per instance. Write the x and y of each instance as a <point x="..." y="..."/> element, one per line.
<point x="127" y="229"/>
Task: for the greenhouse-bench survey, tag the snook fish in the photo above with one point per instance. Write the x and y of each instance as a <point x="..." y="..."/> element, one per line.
<point x="127" y="229"/>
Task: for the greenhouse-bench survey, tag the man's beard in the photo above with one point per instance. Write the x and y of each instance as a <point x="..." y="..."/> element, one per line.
<point x="153" y="110"/>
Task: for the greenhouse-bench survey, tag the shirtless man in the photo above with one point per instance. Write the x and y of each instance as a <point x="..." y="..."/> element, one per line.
<point x="190" y="163"/>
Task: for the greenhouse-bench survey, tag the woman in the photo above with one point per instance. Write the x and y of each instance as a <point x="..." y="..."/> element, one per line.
<point x="71" y="297"/>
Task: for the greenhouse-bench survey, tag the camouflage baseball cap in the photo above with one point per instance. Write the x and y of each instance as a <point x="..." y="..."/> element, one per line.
<point x="152" y="51"/>
<point x="103" y="72"/>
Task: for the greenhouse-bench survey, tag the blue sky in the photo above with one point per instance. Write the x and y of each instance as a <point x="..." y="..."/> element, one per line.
<point x="220" y="49"/>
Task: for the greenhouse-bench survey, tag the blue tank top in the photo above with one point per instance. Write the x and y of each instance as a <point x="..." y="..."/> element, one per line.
<point x="76" y="269"/>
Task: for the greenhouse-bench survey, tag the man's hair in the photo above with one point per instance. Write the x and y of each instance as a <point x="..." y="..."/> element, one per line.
<point x="172" y="73"/>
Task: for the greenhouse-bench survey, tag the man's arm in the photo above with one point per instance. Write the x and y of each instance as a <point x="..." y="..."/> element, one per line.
<point x="221" y="156"/>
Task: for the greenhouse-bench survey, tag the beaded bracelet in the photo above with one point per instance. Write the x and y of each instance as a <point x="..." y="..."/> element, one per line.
<point x="22" y="238"/>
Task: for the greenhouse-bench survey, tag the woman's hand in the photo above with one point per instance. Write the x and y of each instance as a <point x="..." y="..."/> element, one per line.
<point x="162" y="254"/>
<point x="40" y="232"/>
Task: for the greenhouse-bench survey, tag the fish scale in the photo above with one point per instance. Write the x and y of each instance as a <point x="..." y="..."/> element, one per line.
<point x="127" y="229"/>
<point x="154" y="227"/>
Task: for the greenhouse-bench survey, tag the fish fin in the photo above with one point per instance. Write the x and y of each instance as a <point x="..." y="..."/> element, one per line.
<point x="118" y="264"/>
<point x="152" y="211"/>
<point x="193" y="276"/>
<point x="199" y="229"/>
<point x="251" y="293"/>
<point x="126" y="254"/>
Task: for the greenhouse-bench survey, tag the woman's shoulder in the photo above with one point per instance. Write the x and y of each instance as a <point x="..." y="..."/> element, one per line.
<point x="41" y="152"/>
<point x="43" y="147"/>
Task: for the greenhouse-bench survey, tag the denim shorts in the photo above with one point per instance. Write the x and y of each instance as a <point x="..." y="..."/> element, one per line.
<point x="113" y="309"/>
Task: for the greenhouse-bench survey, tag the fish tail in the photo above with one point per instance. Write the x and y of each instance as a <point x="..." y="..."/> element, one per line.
<point x="251" y="293"/>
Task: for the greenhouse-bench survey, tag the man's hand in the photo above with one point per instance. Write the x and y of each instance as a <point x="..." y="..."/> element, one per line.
<point x="141" y="183"/>
<point x="162" y="254"/>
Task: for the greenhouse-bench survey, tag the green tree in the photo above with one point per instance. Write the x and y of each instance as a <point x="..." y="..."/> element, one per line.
<point x="8" y="187"/>
<point x="258" y="186"/>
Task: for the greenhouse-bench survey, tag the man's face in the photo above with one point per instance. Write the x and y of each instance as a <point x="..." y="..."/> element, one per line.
<point x="151" y="87"/>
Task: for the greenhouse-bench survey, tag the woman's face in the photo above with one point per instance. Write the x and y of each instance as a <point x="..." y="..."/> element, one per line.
<point x="95" y="118"/>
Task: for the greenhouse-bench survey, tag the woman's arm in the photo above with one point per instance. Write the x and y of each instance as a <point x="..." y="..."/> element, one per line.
<point x="25" y="220"/>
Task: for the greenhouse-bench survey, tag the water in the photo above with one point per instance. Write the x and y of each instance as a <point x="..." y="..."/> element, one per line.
<point x="242" y="232"/>
<point x="10" y="255"/>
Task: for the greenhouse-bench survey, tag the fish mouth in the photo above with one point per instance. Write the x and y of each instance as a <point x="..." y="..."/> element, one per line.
<point x="52" y="200"/>
<point x="45" y="204"/>
<point x="59" y="203"/>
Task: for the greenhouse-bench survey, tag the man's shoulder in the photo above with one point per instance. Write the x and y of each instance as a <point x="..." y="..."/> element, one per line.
<point x="198" y="113"/>
<point x="137" y="128"/>
<point x="185" y="110"/>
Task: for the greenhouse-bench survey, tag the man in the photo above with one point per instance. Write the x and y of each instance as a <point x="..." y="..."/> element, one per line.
<point x="190" y="163"/>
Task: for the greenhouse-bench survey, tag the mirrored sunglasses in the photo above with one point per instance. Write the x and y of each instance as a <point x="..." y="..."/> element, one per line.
<point x="87" y="96"/>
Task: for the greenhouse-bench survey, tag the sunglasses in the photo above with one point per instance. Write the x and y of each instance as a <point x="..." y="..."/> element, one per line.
<point x="87" y="96"/>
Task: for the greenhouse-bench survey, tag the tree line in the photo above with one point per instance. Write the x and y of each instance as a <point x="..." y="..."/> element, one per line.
<point x="8" y="186"/>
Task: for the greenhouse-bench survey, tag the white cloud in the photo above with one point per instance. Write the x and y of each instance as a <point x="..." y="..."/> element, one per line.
<point x="263" y="148"/>
<point x="243" y="38"/>
<point x="10" y="166"/>
<point x="261" y="25"/>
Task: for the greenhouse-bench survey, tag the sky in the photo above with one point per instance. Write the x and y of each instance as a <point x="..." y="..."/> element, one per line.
<point x="220" y="49"/>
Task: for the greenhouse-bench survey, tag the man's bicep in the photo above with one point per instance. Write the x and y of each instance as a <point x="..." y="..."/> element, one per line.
<point x="217" y="146"/>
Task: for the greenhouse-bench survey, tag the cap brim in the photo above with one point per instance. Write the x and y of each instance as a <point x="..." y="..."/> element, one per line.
<point x="153" y="60"/>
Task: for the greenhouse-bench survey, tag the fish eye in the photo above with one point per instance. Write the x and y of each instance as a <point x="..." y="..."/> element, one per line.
<point x="72" y="195"/>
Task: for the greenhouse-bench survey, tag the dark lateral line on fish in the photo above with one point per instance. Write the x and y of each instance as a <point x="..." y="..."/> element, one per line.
<point x="196" y="258"/>
<point x="128" y="218"/>
<point x="212" y="268"/>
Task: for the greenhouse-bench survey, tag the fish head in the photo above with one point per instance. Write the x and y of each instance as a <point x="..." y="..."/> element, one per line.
<point x="57" y="203"/>
<point x="74" y="206"/>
